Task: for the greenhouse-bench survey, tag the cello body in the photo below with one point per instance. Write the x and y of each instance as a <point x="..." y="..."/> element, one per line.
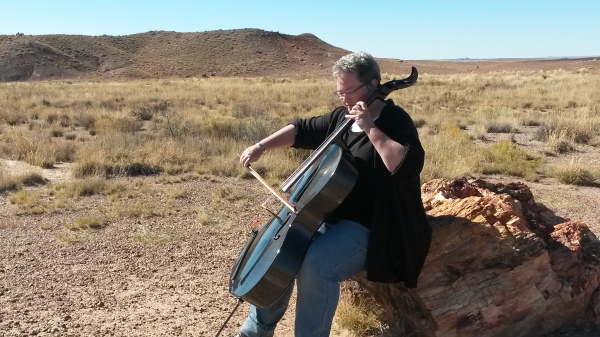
<point x="272" y="256"/>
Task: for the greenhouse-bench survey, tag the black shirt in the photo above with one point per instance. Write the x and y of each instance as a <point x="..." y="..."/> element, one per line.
<point x="358" y="206"/>
<point x="389" y="203"/>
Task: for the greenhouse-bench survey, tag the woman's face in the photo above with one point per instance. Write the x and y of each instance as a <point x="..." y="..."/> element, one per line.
<point x="350" y="89"/>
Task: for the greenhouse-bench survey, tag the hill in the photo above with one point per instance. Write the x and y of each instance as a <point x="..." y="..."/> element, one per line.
<point x="241" y="52"/>
<point x="155" y="54"/>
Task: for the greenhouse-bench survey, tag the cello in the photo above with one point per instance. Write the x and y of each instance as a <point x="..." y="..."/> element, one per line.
<point x="273" y="254"/>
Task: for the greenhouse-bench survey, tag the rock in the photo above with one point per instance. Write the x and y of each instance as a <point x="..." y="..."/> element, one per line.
<point x="500" y="264"/>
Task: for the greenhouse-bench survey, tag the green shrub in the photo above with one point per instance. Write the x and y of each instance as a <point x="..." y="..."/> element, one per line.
<point x="576" y="175"/>
<point x="508" y="158"/>
<point x="94" y="222"/>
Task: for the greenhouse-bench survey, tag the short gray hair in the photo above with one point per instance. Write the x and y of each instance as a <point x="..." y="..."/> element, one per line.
<point x="358" y="62"/>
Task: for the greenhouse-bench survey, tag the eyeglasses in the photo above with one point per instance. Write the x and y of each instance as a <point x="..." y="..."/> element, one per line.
<point x="349" y="93"/>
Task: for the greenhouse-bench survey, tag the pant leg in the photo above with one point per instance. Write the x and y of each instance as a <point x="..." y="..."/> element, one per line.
<point x="261" y="322"/>
<point x="336" y="255"/>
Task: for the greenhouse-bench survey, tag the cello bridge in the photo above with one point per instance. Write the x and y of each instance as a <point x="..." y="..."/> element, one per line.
<point x="266" y="207"/>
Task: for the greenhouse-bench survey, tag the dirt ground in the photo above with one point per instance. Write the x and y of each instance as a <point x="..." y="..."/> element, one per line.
<point x="153" y="276"/>
<point x="159" y="275"/>
<point x="168" y="274"/>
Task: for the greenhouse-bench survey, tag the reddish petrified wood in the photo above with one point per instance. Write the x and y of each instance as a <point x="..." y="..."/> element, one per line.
<point x="500" y="264"/>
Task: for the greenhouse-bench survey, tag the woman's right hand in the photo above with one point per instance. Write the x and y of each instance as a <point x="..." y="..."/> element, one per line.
<point x="251" y="154"/>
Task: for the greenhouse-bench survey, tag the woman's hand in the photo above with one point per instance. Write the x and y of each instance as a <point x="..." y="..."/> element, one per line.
<point x="251" y="154"/>
<point x="361" y="115"/>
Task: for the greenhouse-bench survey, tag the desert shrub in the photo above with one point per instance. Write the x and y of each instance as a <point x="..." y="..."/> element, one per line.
<point x="56" y="133"/>
<point x="499" y="127"/>
<point x="246" y="130"/>
<point x="61" y="119"/>
<point x="221" y="166"/>
<point x="136" y="169"/>
<point x="449" y="154"/>
<point x="542" y="133"/>
<point x="530" y="122"/>
<point x="13" y="117"/>
<point x="39" y="150"/>
<point x="10" y="182"/>
<point x="480" y="132"/>
<point x="91" y="168"/>
<point x="28" y="201"/>
<point x="419" y="122"/>
<point x="279" y="165"/>
<point x="82" y="188"/>
<point x="580" y="131"/>
<point x="508" y="158"/>
<point x="575" y="174"/>
<point x="108" y="125"/>
<point x="583" y="136"/>
<point x="143" y="154"/>
<point x="247" y="110"/>
<point x="36" y="152"/>
<point x="148" y="111"/>
<point x="452" y="99"/>
<point x="31" y="179"/>
<point x="526" y="105"/>
<point x="358" y="313"/>
<point x="561" y="146"/>
<point x="85" y="120"/>
<point x="177" y="125"/>
<point x="94" y="222"/>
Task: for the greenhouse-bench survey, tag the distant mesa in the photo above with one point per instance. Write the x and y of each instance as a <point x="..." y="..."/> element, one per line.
<point x="225" y="53"/>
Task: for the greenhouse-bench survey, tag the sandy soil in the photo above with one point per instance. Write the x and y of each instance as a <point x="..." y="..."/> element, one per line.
<point x="167" y="274"/>
<point x="154" y="276"/>
<point x="151" y="276"/>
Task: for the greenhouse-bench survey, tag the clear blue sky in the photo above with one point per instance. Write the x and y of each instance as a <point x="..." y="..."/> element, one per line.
<point x="386" y="28"/>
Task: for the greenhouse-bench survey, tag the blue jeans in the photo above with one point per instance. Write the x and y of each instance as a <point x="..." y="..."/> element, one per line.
<point x="337" y="254"/>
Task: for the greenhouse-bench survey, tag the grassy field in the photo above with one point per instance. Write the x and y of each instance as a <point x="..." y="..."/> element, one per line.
<point x="528" y="126"/>
<point x="176" y="126"/>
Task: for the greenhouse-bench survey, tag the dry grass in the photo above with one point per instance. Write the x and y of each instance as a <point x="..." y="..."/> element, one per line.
<point x="186" y="129"/>
<point x="199" y="125"/>
<point x="29" y="202"/>
<point x="9" y="182"/>
<point x="450" y="152"/>
<point x="87" y="222"/>
<point x="507" y="158"/>
<point x="576" y="173"/>
<point x="358" y="313"/>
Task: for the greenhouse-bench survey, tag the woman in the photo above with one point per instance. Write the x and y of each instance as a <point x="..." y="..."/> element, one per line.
<point x="380" y="227"/>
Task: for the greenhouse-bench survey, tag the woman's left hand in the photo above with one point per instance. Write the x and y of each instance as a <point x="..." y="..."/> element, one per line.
<point x="361" y="115"/>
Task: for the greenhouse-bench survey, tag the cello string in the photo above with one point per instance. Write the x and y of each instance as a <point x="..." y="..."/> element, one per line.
<point x="266" y="207"/>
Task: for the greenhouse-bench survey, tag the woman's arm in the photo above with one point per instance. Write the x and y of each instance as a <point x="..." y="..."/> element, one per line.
<point x="392" y="153"/>
<point x="284" y="137"/>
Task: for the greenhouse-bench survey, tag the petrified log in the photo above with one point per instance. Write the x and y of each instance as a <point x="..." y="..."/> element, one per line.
<point x="500" y="264"/>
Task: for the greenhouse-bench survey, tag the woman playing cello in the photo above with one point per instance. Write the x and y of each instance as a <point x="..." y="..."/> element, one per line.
<point x="380" y="228"/>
